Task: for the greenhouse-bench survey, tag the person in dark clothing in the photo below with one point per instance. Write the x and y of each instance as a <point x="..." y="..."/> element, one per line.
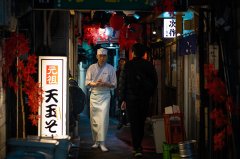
<point x="138" y="81"/>
<point x="122" y="116"/>
<point x="77" y="101"/>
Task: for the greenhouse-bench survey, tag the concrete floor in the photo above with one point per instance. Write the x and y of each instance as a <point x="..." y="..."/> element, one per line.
<point x="118" y="142"/>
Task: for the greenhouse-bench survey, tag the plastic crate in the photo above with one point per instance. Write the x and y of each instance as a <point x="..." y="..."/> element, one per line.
<point x="174" y="128"/>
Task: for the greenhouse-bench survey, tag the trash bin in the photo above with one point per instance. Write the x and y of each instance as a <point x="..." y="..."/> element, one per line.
<point x="159" y="133"/>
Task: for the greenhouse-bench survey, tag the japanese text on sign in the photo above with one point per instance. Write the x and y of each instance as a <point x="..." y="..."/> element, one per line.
<point x="51" y="113"/>
<point x="169" y="30"/>
<point x="52" y="74"/>
<point x="53" y="79"/>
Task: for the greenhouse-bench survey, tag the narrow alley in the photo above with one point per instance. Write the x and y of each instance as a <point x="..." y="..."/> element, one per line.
<point x="118" y="142"/>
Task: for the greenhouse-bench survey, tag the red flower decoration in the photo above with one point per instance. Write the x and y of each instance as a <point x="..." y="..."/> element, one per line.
<point x="210" y="72"/>
<point x="224" y="106"/>
<point x="218" y="117"/>
<point x="15" y="47"/>
<point x="219" y="140"/>
<point x="34" y="119"/>
<point x="92" y="34"/>
<point x="217" y="89"/>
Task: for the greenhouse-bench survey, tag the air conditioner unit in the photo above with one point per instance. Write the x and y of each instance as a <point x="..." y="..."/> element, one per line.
<point x="4" y="12"/>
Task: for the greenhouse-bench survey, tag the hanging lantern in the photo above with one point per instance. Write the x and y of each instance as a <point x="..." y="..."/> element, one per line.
<point x="116" y="21"/>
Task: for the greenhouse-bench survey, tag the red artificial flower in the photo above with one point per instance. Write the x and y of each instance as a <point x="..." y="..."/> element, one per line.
<point x="218" y="117"/>
<point x="217" y="89"/>
<point x="34" y="99"/>
<point x="34" y="119"/>
<point x="16" y="46"/>
<point x="219" y="140"/>
<point x="92" y="34"/>
<point x="210" y="72"/>
<point x="224" y="105"/>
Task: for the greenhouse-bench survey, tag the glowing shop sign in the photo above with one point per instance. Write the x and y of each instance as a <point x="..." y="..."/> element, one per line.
<point x="53" y="109"/>
<point x="169" y="30"/>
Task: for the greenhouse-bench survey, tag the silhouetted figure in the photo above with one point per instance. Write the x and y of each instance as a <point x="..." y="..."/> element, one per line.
<point x="77" y="101"/>
<point x="138" y="80"/>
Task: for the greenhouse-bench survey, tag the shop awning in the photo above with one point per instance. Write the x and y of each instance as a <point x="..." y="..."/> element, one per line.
<point x="137" y="5"/>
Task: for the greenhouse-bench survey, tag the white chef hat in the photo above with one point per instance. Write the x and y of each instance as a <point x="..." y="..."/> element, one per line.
<point x="101" y="51"/>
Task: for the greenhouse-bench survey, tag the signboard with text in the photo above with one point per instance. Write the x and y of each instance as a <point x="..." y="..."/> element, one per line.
<point x="53" y="109"/>
<point x="169" y="29"/>
<point x="138" y="5"/>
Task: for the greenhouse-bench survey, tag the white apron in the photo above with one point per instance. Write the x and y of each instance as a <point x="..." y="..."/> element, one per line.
<point x="99" y="114"/>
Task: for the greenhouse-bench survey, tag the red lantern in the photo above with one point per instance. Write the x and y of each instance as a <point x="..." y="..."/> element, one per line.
<point x="116" y="21"/>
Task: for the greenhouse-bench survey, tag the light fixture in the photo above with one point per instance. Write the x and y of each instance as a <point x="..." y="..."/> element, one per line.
<point x="178" y="34"/>
<point x="136" y="16"/>
<point x="72" y="12"/>
<point x="127" y="13"/>
<point x="167" y="15"/>
<point x="109" y="31"/>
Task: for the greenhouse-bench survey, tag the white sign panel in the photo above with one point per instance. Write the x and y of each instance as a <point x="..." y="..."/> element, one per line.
<point x="169" y="29"/>
<point x="53" y="109"/>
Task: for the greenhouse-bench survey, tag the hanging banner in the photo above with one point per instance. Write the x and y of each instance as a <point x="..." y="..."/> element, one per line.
<point x="187" y="45"/>
<point x="53" y="110"/>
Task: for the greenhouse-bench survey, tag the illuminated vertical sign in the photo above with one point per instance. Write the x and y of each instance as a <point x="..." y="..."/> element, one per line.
<point x="53" y="109"/>
<point x="169" y="29"/>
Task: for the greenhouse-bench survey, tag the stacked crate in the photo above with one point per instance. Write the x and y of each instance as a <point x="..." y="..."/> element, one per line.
<point x="174" y="129"/>
<point x="174" y="133"/>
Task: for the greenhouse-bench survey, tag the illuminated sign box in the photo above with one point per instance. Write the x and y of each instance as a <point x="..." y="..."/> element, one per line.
<point x="169" y="28"/>
<point x="53" y="110"/>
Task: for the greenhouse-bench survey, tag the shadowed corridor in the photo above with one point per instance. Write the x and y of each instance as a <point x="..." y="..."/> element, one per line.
<point x="118" y="142"/>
